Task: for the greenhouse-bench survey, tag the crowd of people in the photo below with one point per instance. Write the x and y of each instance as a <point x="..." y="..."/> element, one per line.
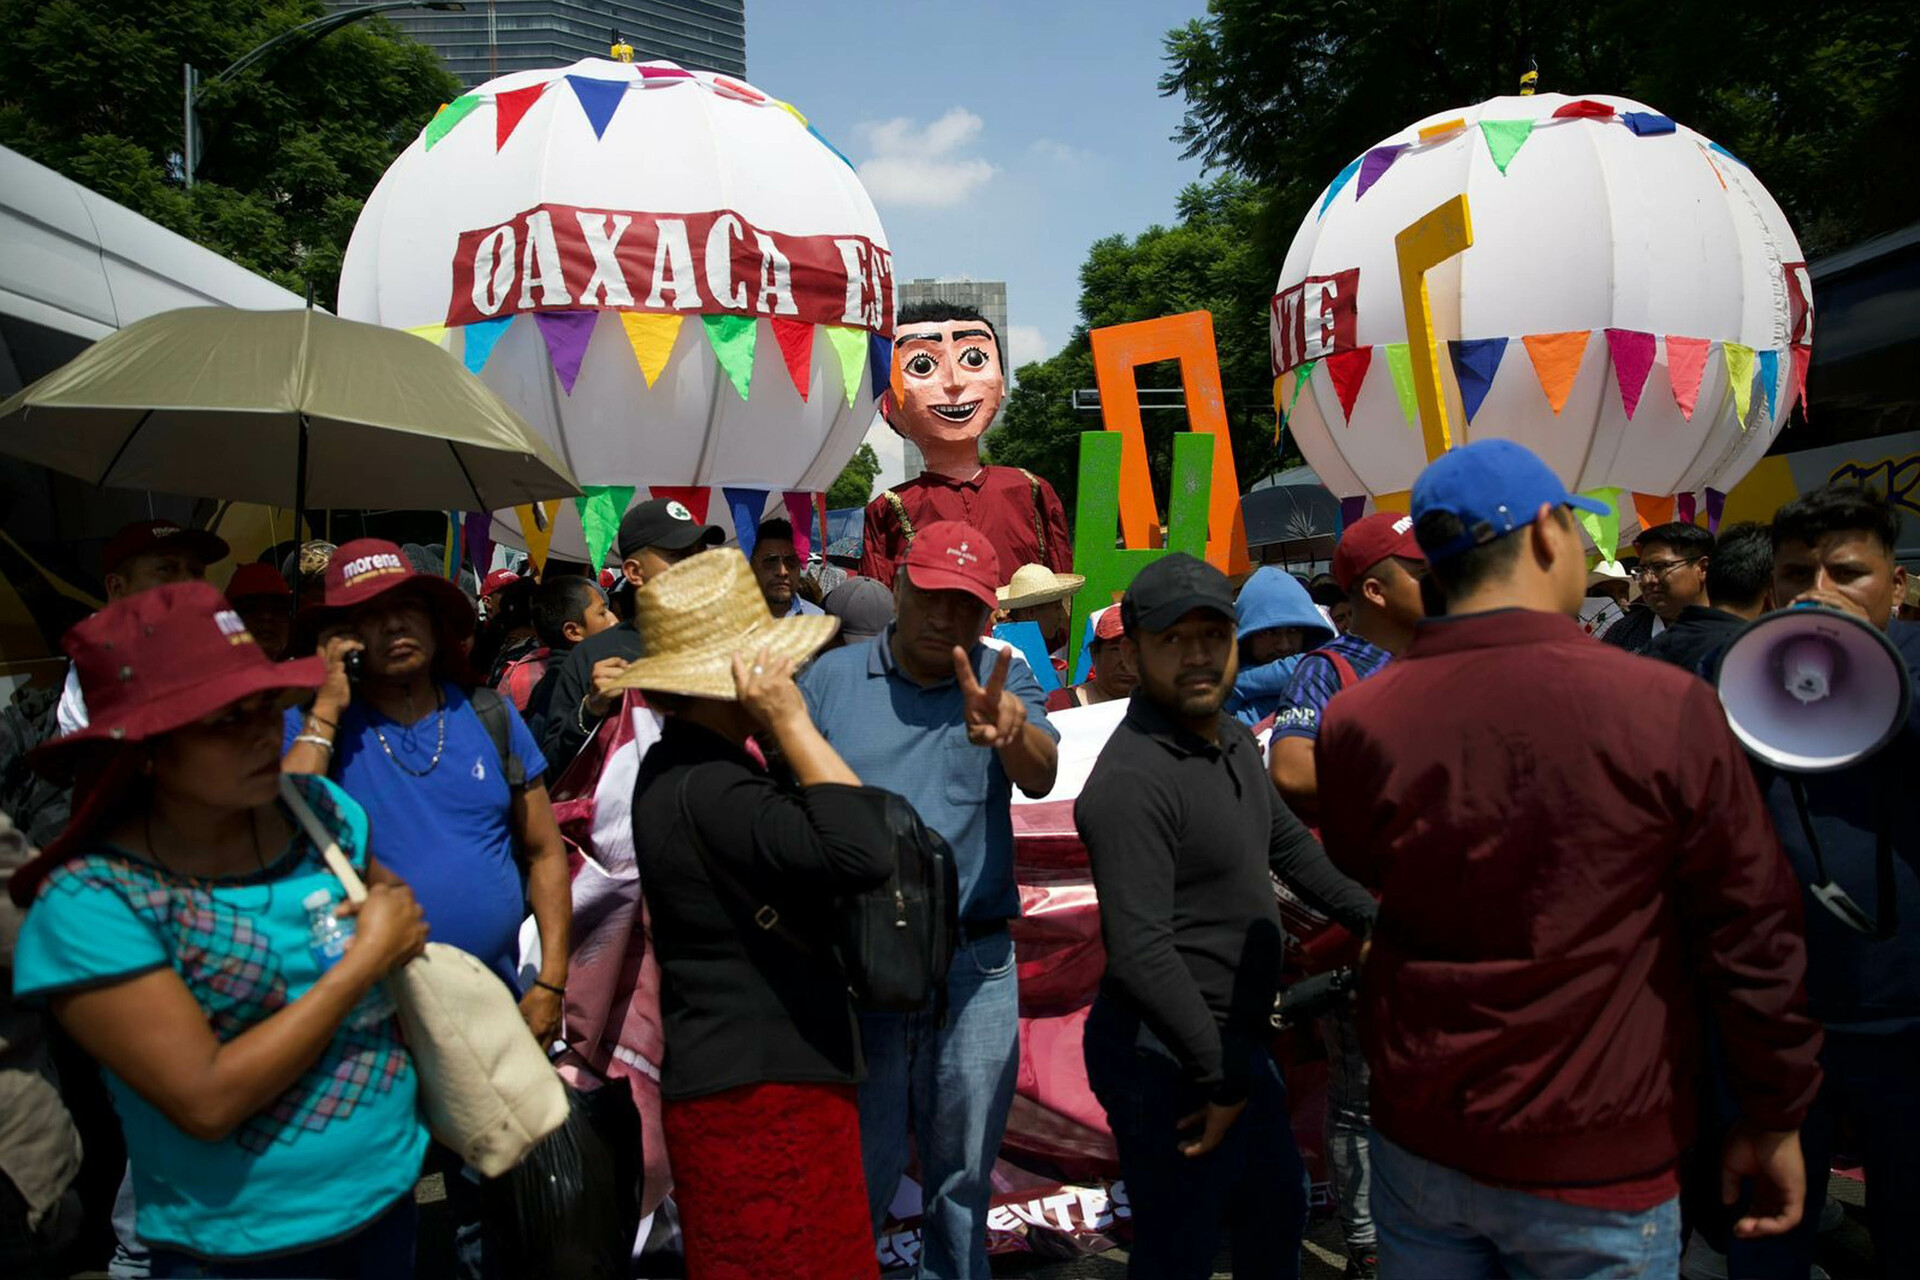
<point x="1605" y="996"/>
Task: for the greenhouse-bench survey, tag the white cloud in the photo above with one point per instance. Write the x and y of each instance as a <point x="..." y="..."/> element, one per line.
<point x="1053" y="151"/>
<point x="921" y="166"/>
<point x="1026" y="343"/>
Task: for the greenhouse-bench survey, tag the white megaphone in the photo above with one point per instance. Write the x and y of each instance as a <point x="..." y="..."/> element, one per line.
<point x="1811" y="689"/>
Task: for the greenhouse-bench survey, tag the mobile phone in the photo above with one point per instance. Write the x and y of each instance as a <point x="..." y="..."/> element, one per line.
<point x="356" y="664"/>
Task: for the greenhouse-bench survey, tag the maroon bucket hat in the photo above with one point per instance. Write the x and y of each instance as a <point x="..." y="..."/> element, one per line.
<point x="368" y="568"/>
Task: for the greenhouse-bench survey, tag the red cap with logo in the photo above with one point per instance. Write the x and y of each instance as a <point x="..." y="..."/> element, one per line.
<point x="1367" y="542"/>
<point x="366" y="568"/>
<point x="949" y="555"/>
<point x="497" y="580"/>
<point x="148" y="536"/>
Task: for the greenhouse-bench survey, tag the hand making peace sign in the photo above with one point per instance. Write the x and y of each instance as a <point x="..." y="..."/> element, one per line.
<point x="995" y="718"/>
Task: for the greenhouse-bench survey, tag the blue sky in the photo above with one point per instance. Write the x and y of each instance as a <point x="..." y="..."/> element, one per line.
<point x="998" y="139"/>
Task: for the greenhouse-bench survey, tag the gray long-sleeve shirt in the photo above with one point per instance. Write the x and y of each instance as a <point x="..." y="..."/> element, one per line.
<point x="1182" y="833"/>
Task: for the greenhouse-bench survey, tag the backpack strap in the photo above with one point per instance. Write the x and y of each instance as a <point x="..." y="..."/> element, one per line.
<point x="892" y="499"/>
<point x="1039" y="522"/>
<point x="1344" y="669"/>
<point x="765" y="917"/>
<point x="492" y="710"/>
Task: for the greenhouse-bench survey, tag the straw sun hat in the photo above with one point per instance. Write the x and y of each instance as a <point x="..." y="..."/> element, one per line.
<point x="1036" y="584"/>
<point x="694" y="617"/>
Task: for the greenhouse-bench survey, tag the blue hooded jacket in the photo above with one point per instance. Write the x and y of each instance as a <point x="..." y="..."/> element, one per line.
<point x="1271" y="598"/>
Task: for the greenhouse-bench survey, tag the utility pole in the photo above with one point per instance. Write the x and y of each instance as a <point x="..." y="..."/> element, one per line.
<point x="305" y="33"/>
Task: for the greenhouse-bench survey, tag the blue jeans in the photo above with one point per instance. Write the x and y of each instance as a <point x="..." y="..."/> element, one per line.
<point x="1349" y="1118"/>
<point x="950" y="1087"/>
<point x="1438" y="1223"/>
<point x="1253" y="1181"/>
<point x="381" y="1250"/>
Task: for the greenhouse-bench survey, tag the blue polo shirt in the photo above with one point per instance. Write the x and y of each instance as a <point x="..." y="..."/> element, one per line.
<point x="911" y="739"/>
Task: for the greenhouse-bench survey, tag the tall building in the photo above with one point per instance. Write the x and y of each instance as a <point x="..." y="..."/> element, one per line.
<point x="988" y="297"/>
<point x="494" y="37"/>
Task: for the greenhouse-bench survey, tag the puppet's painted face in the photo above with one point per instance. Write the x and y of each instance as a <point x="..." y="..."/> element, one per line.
<point x="947" y="382"/>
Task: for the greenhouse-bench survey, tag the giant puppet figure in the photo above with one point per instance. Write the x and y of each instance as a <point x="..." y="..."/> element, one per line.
<point x="947" y="385"/>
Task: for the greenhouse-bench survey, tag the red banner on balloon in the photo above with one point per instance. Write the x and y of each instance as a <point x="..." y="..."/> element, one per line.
<point x="557" y="257"/>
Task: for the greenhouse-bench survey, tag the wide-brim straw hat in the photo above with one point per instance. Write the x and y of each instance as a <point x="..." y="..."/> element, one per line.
<point x="697" y="615"/>
<point x="1034" y="584"/>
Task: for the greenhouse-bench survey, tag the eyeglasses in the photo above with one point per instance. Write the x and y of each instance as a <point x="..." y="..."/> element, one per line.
<point x="1659" y="569"/>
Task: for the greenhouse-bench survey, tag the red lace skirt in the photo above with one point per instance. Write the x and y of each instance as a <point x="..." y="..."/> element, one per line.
<point x="768" y="1181"/>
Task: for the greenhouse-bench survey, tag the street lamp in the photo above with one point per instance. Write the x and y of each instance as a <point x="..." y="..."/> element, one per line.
<point x="305" y="32"/>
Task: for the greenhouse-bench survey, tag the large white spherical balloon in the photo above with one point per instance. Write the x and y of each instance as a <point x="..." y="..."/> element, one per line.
<point x="1607" y="217"/>
<point x="608" y="216"/>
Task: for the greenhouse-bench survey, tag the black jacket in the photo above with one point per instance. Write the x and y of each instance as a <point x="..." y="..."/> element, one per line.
<point x="740" y="1005"/>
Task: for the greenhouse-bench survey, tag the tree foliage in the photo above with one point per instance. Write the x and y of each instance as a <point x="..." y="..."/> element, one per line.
<point x="1819" y="101"/>
<point x="292" y="146"/>
<point x="1208" y="261"/>
<point x="854" y="485"/>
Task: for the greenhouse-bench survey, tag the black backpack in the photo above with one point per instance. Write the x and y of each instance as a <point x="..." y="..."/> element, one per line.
<point x="893" y="942"/>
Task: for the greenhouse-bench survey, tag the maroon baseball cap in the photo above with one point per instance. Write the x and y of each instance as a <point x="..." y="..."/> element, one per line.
<point x="368" y="568"/>
<point x="1367" y="542"/>
<point x="949" y="555"/>
<point x="257" y="580"/>
<point x="161" y="535"/>
<point x="497" y="580"/>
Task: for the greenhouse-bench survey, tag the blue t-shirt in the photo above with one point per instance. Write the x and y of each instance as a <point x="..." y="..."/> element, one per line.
<point x="912" y="740"/>
<point x="1316" y="680"/>
<point x="448" y="833"/>
<point x="324" y="1158"/>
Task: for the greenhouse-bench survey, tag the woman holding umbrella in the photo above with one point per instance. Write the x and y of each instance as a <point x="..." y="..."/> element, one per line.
<point x="184" y="932"/>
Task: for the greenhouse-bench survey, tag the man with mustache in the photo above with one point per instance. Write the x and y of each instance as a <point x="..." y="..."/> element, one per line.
<point x="948" y="382"/>
<point x="932" y="711"/>
<point x="1182" y="828"/>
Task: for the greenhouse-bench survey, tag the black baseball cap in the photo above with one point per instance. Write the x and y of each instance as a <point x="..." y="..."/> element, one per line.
<point x="1172" y="587"/>
<point x="665" y="523"/>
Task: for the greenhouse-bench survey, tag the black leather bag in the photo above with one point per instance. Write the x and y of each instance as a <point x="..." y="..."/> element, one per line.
<point x="895" y="942"/>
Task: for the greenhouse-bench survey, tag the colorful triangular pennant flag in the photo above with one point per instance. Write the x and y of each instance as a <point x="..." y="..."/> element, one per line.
<point x="434" y="333"/>
<point x="1585" y="108"/>
<point x="1475" y="361"/>
<point x="1340" y="180"/>
<point x="1686" y="367"/>
<point x="1556" y="362"/>
<point x="1647" y="124"/>
<point x="1445" y="129"/>
<point x="1352" y="509"/>
<point x="1802" y="356"/>
<point x="450" y="115"/>
<point x="1505" y="138"/>
<point x="480" y="338"/>
<point x="1400" y="365"/>
<point x="566" y="334"/>
<point x="651" y="338"/>
<point x="800" y="509"/>
<point x="479" y="540"/>
<point x="1302" y="375"/>
<point x="746" y="506"/>
<point x="539" y="540"/>
<point x="850" y="349"/>
<point x="1348" y="369"/>
<point x="599" y="99"/>
<point x="1653" y="509"/>
<point x="1716" y="506"/>
<point x="1769" y="378"/>
<point x="600" y="507"/>
<point x="1632" y="353"/>
<point x="796" y="348"/>
<point x="879" y="363"/>
<point x="1684" y="508"/>
<point x="1739" y="359"/>
<point x="732" y="339"/>
<point x="510" y="107"/>
<point x="1374" y="165"/>
<point x="691" y="496"/>
<point x="1604" y="530"/>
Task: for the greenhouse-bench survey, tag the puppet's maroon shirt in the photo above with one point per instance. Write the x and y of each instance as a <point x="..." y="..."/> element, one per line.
<point x="998" y="501"/>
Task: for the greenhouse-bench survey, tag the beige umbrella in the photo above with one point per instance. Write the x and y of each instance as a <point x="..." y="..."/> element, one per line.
<point x="292" y="408"/>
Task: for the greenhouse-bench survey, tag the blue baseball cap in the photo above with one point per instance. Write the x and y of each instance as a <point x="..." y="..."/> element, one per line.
<point x="1493" y="487"/>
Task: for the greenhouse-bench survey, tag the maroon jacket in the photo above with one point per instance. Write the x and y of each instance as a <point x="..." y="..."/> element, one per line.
<point x="1564" y="837"/>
